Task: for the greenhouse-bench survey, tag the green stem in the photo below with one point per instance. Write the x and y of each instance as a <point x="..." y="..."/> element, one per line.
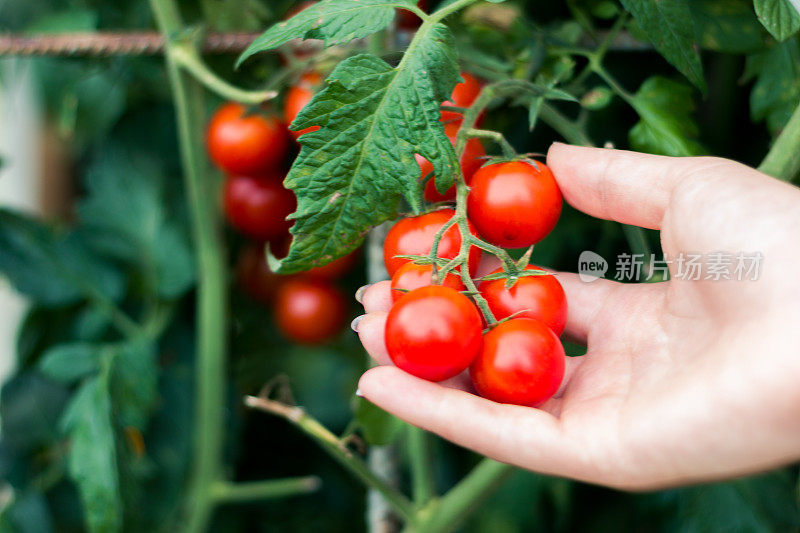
<point x="421" y="473"/>
<point x="783" y="159"/>
<point x="463" y="499"/>
<point x="336" y="449"/>
<point x="497" y="137"/>
<point x="211" y="294"/>
<point x="508" y="262"/>
<point x="226" y="492"/>
<point x="448" y="10"/>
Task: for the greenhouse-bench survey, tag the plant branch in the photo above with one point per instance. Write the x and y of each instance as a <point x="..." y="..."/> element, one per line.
<point x="497" y="137"/>
<point x="226" y="492"/>
<point x="336" y="449"/>
<point x="783" y="159"/>
<point x="421" y="473"/>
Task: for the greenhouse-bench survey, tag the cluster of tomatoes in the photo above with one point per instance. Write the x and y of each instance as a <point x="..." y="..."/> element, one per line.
<point x="434" y="330"/>
<point x="252" y="148"/>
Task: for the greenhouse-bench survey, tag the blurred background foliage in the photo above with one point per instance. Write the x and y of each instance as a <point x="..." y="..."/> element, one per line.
<point x="126" y="242"/>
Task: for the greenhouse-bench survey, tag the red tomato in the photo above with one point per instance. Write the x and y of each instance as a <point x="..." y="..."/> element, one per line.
<point x="298" y="97"/>
<point x="433" y="333"/>
<point x="412" y="276"/>
<point x="258" y="207"/>
<point x="464" y="94"/>
<point x="471" y="161"/>
<point x="541" y="297"/>
<point x="336" y="268"/>
<point x="521" y="362"/>
<point x="253" y="275"/>
<point x="309" y="311"/>
<point x="242" y="143"/>
<point x="409" y="21"/>
<point x="514" y="205"/>
<point x="414" y="236"/>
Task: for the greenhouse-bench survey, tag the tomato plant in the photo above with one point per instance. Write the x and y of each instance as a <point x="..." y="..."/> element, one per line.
<point x="411" y="276"/>
<point x="309" y="311"/>
<point x="258" y="206"/>
<point x="298" y="97"/>
<point x="521" y="362"/>
<point x="433" y="332"/>
<point x="464" y="95"/>
<point x="471" y="160"/>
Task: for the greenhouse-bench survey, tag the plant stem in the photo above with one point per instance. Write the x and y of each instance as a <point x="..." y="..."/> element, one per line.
<point x="463" y="499"/>
<point x="228" y="492"/>
<point x="336" y="448"/>
<point x="448" y="10"/>
<point x="497" y="137"/>
<point x="211" y="294"/>
<point x="421" y="473"/>
<point x="783" y="159"/>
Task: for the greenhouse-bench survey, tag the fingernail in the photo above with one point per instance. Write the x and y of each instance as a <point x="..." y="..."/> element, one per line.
<point x="359" y="393"/>
<point x="360" y="293"/>
<point x="354" y="323"/>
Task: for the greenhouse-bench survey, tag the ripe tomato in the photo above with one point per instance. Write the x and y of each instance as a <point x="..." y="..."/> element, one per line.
<point x="412" y="276"/>
<point x="521" y="362"/>
<point x="309" y="311"/>
<point x="414" y="236"/>
<point x="471" y="161"/>
<point x="541" y="297"/>
<point x="336" y="268"/>
<point x="243" y="143"/>
<point x="298" y="97"/>
<point x="407" y="20"/>
<point x="464" y="94"/>
<point x="253" y="275"/>
<point x="514" y="205"/>
<point x="258" y="207"/>
<point x="433" y="333"/>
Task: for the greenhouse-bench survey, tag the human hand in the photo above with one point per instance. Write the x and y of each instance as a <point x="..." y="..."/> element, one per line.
<point x="683" y="381"/>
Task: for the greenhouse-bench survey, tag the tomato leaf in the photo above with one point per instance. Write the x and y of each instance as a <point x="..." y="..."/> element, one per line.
<point x="666" y="126"/>
<point x="67" y="363"/>
<point x="727" y="25"/>
<point x="333" y="21"/>
<point x="352" y="173"/>
<point x="92" y="453"/>
<point x="780" y="17"/>
<point x="134" y="378"/>
<point x="669" y="26"/>
<point x="776" y="92"/>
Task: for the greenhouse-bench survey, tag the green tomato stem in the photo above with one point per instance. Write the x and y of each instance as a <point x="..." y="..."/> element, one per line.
<point x="783" y="159"/>
<point x="419" y="452"/>
<point x="226" y="492"/>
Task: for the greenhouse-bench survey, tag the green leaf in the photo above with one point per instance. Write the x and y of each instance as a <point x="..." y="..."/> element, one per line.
<point x="780" y="17"/>
<point x="666" y="127"/>
<point x="764" y="503"/>
<point x="776" y="92"/>
<point x="134" y="380"/>
<point x="92" y="454"/>
<point x="67" y="363"/>
<point x="378" y="427"/>
<point x="333" y="21"/>
<point x="125" y="217"/>
<point x="550" y="76"/>
<point x="52" y="269"/>
<point x="668" y="25"/>
<point x="352" y="173"/>
<point x="727" y="25"/>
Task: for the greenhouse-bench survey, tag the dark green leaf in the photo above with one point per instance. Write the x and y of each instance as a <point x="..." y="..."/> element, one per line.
<point x="30" y="407"/>
<point x="666" y="126"/>
<point x="67" y="363"/>
<point x="352" y="173"/>
<point x="668" y="25"/>
<point x="92" y="453"/>
<point x="52" y="269"/>
<point x="776" y="92"/>
<point x="134" y="379"/>
<point x="727" y="25"/>
<point x="333" y="21"/>
<point x="378" y="427"/>
<point x="780" y="17"/>
<point x="124" y="216"/>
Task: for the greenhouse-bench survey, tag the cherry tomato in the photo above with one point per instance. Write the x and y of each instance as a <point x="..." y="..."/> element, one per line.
<point x="464" y="94"/>
<point x="336" y="268"/>
<point x="407" y="20"/>
<point x="246" y="143"/>
<point x="433" y="332"/>
<point x="258" y="207"/>
<point x="309" y="311"/>
<point x="412" y="276"/>
<point x="253" y="275"/>
<point x="521" y="362"/>
<point x="515" y="204"/>
<point x="541" y="297"/>
<point x="471" y="161"/>
<point x="414" y="236"/>
<point x="298" y="97"/>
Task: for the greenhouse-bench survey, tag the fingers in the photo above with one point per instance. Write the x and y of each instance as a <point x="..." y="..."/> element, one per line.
<point x="518" y="435"/>
<point x="378" y="297"/>
<point x="584" y="301"/>
<point x="628" y="187"/>
<point x="370" y="330"/>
